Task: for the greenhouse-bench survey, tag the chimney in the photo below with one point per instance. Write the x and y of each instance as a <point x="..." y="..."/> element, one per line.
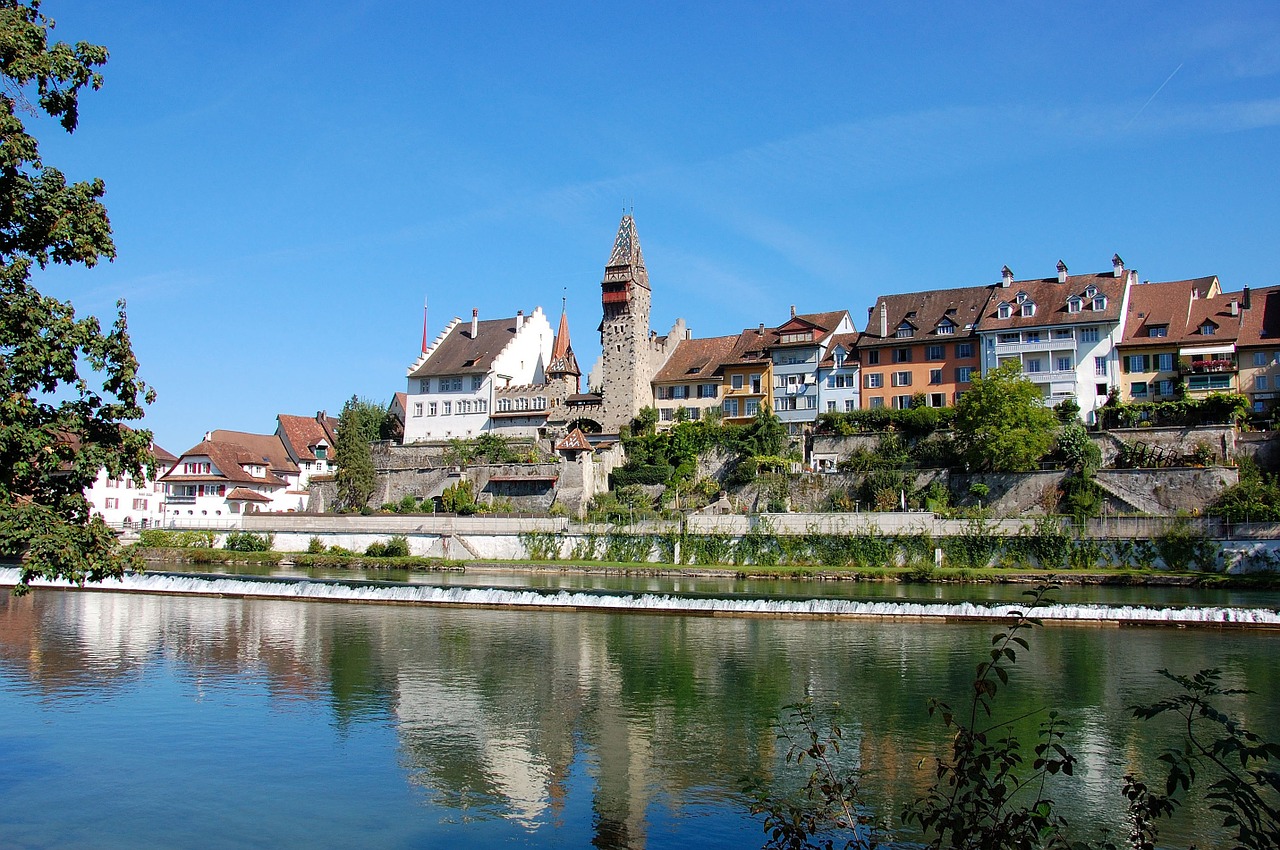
<point x="1117" y="266"/>
<point x="884" y="320"/>
<point x="208" y="436"/>
<point x="1062" y="272"/>
<point x="1006" y="277"/>
<point x="760" y="331"/>
<point x="793" y="311"/>
<point x="475" y="322"/>
<point x="519" y="319"/>
<point x="1234" y="307"/>
<point x="1244" y="298"/>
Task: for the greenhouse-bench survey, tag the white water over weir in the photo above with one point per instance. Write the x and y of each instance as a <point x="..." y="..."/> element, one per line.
<point x="502" y="598"/>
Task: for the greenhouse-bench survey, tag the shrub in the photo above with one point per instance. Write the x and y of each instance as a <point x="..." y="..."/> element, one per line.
<point x="315" y="546"/>
<point x="247" y="541"/>
<point x="161" y="538"/>
<point x="396" y="547"/>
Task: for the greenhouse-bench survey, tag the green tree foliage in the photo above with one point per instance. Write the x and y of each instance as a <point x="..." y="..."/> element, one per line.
<point x="459" y="498"/>
<point x="360" y="424"/>
<point x="1002" y="424"/>
<point x="1255" y="498"/>
<point x="66" y="386"/>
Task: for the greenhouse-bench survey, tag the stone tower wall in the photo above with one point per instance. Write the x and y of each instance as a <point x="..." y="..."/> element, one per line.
<point x="627" y="355"/>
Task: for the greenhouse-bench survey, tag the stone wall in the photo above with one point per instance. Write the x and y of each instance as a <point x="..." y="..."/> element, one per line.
<point x="1180" y="441"/>
<point x="1262" y="446"/>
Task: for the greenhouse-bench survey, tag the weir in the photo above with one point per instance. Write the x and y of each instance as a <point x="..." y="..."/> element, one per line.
<point x="387" y="593"/>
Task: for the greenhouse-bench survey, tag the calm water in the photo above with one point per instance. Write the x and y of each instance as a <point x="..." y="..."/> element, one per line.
<point x="136" y="720"/>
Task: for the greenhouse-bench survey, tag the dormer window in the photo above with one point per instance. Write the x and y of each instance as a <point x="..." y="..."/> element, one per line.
<point x="1100" y="303"/>
<point x="1004" y="311"/>
<point x="905" y="331"/>
<point x="1157" y="330"/>
<point x="1090" y="291"/>
<point x="1020" y="297"/>
<point x="1208" y="329"/>
<point x="801" y="336"/>
<point x="1028" y="308"/>
<point x="320" y="452"/>
<point x="946" y="328"/>
<point x="1074" y="305"/>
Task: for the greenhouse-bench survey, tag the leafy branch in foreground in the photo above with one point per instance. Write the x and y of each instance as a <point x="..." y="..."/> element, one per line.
<point x="985" y="798"/>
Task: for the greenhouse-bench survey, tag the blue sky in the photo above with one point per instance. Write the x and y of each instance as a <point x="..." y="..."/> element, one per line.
<point x="289" y="181"/>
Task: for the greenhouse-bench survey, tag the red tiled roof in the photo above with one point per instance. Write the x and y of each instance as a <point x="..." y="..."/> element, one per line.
<point x="227" y="459"/>
<point x="575" y="440"/>
<point x="1050" y="298"/>
<point x="1261" y="321"/>
<point x="243" y="494"/>
<point x="695" y="359"/>
<point x="848" y="342"/>
<point x="268" y="447"/>
<point x="1181" y="308"/>
<point x="303" y="434"/>
<point x="924" y="312"/>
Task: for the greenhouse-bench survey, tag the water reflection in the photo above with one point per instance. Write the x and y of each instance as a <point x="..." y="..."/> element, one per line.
<point x="590" y="724"/>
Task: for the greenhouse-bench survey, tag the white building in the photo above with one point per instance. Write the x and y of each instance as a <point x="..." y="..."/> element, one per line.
<point x="309" y="442"/>
<point x="126" y="501"/>
<point x="220" y="479"/>
<point x="452" y="387"/>
<point x="838" y="390"/>
<point x="1063" y="331"/>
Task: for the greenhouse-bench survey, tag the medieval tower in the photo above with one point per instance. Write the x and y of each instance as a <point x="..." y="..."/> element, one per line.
<point x="630" y="353"/>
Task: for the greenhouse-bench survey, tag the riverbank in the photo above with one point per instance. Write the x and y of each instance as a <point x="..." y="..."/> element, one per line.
<point x="166" y="558"/>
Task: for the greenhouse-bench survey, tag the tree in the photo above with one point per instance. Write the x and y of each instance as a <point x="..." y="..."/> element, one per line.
<point x="67" y="387"/>
<point x="360" y="423"/>
<point x="1002" y="424"/>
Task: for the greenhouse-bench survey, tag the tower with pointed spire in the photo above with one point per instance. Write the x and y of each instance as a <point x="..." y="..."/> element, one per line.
<point x="624" y="332"/>
<point x="563" y="368"/>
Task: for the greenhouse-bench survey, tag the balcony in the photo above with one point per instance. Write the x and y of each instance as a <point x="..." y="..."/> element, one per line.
<point x="1004" y="349"/>
<point x="1206" y="367"/>
<point x="180" y="500"/>
<point x="1056" y="377"/>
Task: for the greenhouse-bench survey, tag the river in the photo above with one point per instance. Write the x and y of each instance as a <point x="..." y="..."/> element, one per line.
<point x="139" y="719"/>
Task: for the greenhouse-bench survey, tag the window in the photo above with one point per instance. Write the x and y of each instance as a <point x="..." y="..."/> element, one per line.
<point x="902" y="379"/>
<point x="964" y="349"/>
<point x="1088" y="334"/>
<point x="504" y="404"/>
<point x="782" y="402"/>
<point x="796" y="336"/>
<point x="736" y="382"/>
<point x="730" y="407"/>
<point x="964" y="374"/>
<point x="1138" y="389"/>
<point x="934" y="352"/>
<point x="1164" y="362"/>
<point x="521" y="404"/>
<point x="875" y="381"/>
<point x="666" y="414"/>
<point x="902" y="402"/>
<point x="1209" y="382"/>
<point x="417" y="408"/>
<point x="1064" y="364"/>
<point x="464" y="407"/>
<point x="110" y="503"/>
<point x="946" y="329"/>
<point x="1029" y="308"/>
<point x="1031" y="336"/>
<point x="904" y="331"/>
<point x="1008" y="339"/>
<point x="831" y="407"/>
<point x="431" y="408"/>
<point x="902" y="355"/>
<point x="1100" y="303"/>
<point x="935" y="376"/>
<point x="139" y="504"/>
<point x="1259" y="358"/>
<point x="1100" y="366"/>
<point x="540" y="402"/>
<point x="1073" y="305"/>
<point x="1154" y="331"/>
<point x="809" y="402"/>
<point x="707" y="390"/>
<point x="755" y="384"/>
<point x="1090" y="291"/>
<point x="1062" y="333"/>
<point x="448" y="408"/>
<point x="780" y="381"/>
<point x="1164" y="388"/>
<point x="680" y="391"/>
<point x="848" y="405"/>
<point x="752" y="408"/>
<point x="424" y="385"/>
<point x="1208" y="329"/>
<point x="877" y="402"/>
<point x="1137" y="363"/>
<point x="873" y="358"/>
<point x="1033" y="365"/>
<point x="1004" y="311"/>
<point x="937" y="400"/>
<point x="1262" y="382"/>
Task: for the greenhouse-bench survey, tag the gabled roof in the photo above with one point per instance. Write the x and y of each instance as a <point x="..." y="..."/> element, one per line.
<point x="303" y="433"/>
<point x="267" y="448"/>
<point x="243" y="494"/>
<point x="925" y="311"/>
<point x="1051" y="296"/>
<point x="823" y="325"/>
<point x="696" y="359"/>
<point x="227" y="458"/>
<point x="849" y="342"/>
<point x="575" y="441"/>
<point x="461" y="354"/>
<point x="1181" y="308"/>
<point x="750" y="347"/>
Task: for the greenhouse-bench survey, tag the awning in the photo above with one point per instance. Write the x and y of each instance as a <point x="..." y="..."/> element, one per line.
<point x="1207" y="349"/>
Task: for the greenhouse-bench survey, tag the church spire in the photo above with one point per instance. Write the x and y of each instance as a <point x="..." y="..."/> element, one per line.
<point x="563" y="361"/>
<point x="626" y="252"/>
